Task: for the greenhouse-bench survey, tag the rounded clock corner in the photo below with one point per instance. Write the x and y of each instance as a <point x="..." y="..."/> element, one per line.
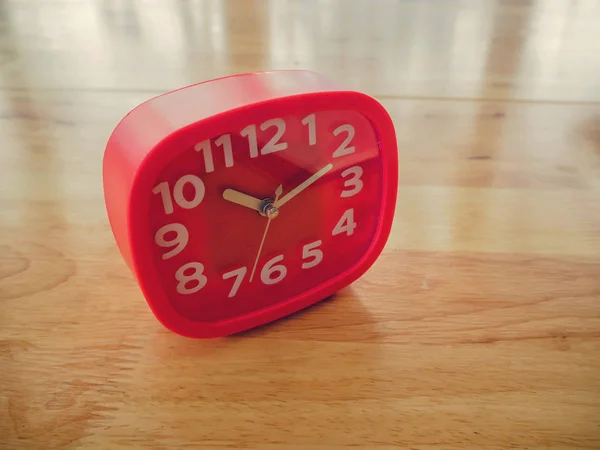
<point x="373" y="253"/>
<point x="193" y="330"/>
<point x="368" y="105"/>
<point x="363" y="266"/>
<point x="183" y="326"/>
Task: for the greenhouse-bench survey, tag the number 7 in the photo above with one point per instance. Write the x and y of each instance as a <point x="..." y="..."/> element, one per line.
<point x="239" y="274"/>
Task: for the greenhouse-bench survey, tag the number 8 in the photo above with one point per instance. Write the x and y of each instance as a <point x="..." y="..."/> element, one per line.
<point x="196" y="275"/>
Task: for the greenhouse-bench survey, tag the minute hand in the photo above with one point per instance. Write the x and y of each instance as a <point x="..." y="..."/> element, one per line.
<point x="306" y="183"/>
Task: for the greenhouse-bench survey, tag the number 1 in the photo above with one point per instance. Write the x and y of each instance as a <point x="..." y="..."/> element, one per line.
<point x="250" y="133"/>
<point x="204" y="147"/>
<point x="225" y="142"/>
<point x="312" y="134"/>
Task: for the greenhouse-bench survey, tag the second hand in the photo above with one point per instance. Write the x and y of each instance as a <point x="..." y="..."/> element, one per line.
<point x="262" y="242"/>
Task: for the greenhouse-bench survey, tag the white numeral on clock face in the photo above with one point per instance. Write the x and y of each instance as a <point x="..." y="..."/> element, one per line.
<point x="273" y="273"/>
<point x="179" y="241"/>
<point x="250" y="133"/>
<point x="311" y="251"/>
<point x="225" y="142"/>
<point x="343" y="149"/>
<point x="198" y="191"/>
<point x="205" y="148"/>
<point x="312" y="134"/>
<point x="274" y="145"/>
<point x="270" y="147"/>
<point x="193" y="280"/>
<point x="239" y="277"/>
<point x="163" y="190"/>
<point x="355" y="183"/>
<point x="346" y="224"/>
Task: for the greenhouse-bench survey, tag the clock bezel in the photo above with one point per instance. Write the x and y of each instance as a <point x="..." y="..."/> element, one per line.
<point x="185" y="137"/>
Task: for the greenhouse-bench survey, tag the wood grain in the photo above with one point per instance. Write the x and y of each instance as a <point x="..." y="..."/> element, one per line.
<point x="479" y="326"/>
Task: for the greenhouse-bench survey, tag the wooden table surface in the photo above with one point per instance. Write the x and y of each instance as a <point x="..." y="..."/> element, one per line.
<point x="478" y="327"/>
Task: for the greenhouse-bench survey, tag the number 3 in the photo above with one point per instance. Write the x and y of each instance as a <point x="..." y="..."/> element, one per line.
<point x="355" y="183"/>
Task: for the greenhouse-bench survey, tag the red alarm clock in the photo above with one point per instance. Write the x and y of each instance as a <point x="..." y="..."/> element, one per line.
<point x="243" y="199"/>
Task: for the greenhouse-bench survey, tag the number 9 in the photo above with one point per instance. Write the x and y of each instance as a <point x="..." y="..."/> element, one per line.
<point x="179" y="241"/>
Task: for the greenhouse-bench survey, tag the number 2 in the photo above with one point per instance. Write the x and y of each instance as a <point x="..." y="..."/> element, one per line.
<point x="343" y="149"/>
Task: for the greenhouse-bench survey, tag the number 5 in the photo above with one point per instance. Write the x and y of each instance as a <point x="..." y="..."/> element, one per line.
<point x="311" y="251"/>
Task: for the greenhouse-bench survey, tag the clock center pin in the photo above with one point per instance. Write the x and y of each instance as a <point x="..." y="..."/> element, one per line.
<point x="268" y="209"/>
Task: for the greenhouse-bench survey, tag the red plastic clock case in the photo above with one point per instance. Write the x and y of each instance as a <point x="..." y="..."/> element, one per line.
<point x="151" y="134"/>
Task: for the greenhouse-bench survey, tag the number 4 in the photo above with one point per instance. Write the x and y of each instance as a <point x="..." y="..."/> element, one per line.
<point x="346" y="224"/>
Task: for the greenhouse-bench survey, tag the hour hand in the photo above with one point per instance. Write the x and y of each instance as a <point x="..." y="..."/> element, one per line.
<point x="242" y="199"/>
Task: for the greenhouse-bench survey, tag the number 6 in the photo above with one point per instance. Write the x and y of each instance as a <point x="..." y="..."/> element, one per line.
<point x="273" y="273"/>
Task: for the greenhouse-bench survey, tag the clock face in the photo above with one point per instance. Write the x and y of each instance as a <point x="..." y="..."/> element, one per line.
<point x="265" y="212"/>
